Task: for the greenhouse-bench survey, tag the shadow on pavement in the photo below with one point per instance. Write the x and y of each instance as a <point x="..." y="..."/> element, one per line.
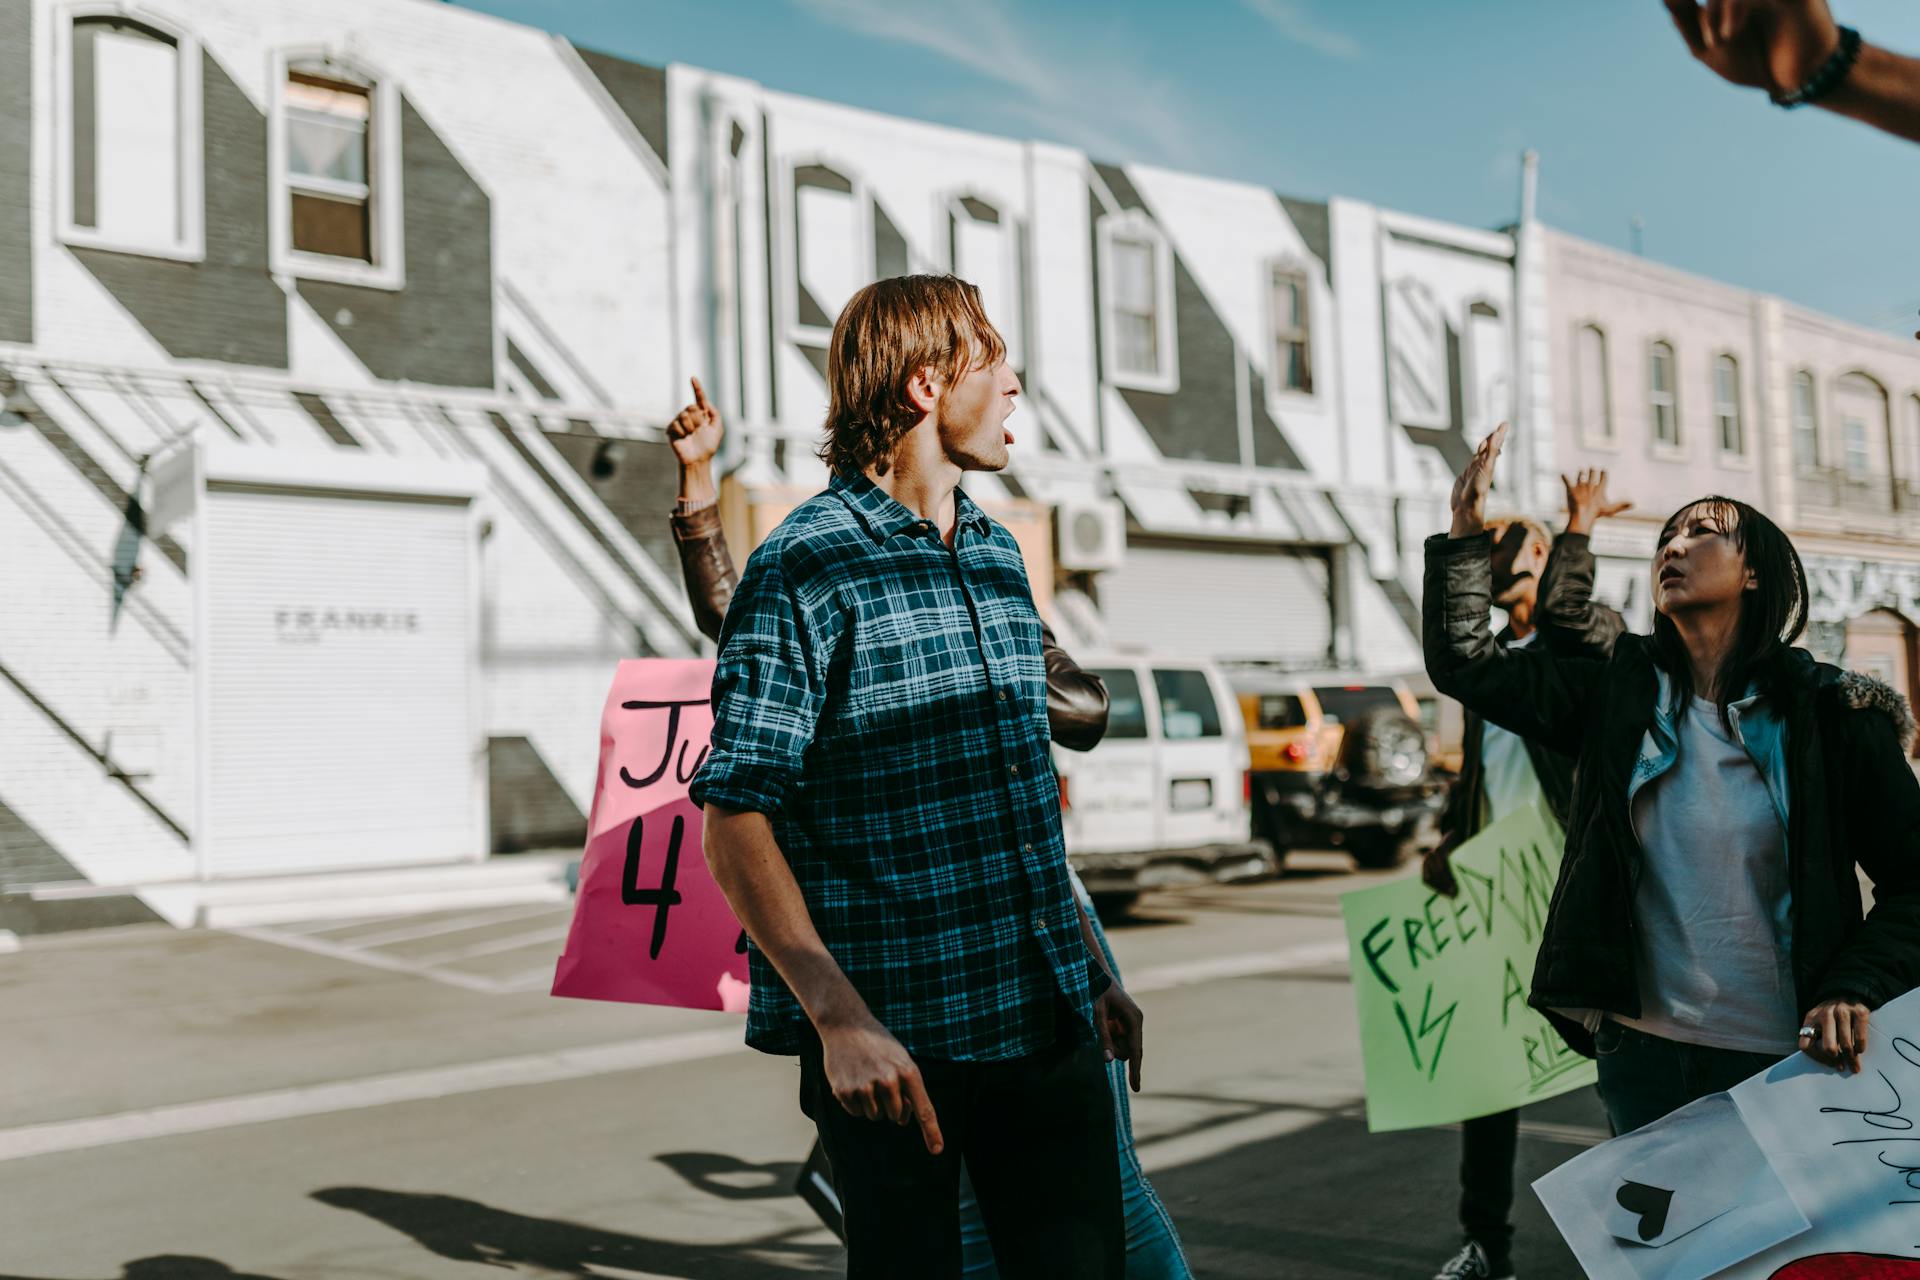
<point x="468" y="1231"/>
<point x="174" y="1267"/>
<point x="1333" y="1202"/>
<point x="731" y="1178"/>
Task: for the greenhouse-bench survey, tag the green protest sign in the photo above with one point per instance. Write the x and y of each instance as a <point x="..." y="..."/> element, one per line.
<point x="1441" y="983"/>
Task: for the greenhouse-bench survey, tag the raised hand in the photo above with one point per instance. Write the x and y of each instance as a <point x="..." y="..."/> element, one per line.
<point x="1774" y="45"/>
<point x="695" y="431"/>
<point x="1470" y="488"/>
<point x="1587" y="500"/>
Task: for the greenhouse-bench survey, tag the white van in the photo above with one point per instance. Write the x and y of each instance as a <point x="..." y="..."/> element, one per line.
<point x="1163" y="799"/>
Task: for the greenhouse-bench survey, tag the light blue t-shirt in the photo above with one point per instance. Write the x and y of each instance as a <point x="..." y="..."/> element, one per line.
<point x="1713" y="907"/>
<point x="1507" y="779"/>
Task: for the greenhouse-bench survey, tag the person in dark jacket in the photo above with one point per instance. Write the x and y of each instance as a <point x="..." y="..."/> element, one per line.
<point x="1077" y="706"/>
<point x="1708" y="919"/>
<point x="1548" y="599"/>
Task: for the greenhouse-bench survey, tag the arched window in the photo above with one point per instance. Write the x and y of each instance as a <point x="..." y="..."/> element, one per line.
<point x="1663" y="405"/>
<point x="131" y="137"/>
<point x="1730" y="426"/>
<point x="336" y="147"/>
<point x="1860" y="406"/>
<point x="1592" y="390"/>
<point x="1807" y="454"/>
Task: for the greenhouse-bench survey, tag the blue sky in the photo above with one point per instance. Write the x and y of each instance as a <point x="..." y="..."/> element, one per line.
<point x="1413" y="104"/>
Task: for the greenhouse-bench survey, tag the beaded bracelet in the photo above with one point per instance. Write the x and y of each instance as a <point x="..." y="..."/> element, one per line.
<point x="1828" y="77"/>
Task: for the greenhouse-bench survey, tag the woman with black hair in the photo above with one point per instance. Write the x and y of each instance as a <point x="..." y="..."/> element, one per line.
<point x="1708" y="918"/>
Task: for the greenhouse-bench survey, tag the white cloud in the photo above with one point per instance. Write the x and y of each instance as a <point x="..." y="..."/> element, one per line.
<point x="1103" y="100"/>
<point x="1295" y="22"/>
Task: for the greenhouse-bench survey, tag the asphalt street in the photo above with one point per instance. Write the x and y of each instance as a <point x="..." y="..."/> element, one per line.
<point x="397" y="1099"/>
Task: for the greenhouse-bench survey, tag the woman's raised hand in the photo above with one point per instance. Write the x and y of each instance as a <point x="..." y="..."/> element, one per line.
<point x="1470" y="489"/>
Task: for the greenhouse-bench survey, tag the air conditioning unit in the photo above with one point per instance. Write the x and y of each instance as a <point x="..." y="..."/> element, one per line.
<point x="1092" y="535"/>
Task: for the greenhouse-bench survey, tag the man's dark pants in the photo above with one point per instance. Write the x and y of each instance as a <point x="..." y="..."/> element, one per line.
<point x="1036" y="1134"/>
<point x="1487" y="1146"/>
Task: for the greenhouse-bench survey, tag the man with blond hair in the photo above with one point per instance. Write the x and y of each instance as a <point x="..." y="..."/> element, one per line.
<point x="882" y="814"/>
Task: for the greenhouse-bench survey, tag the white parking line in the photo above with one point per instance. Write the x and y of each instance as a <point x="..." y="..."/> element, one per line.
<point x="539" y="979"/>
<point x="1308" y="955"/>
<point x="308" y="927"/>
<point x="418" y="932"/>
<point x="372" y="959"/>
<point x="370" y="1091"/>
<point x="440" y="965"/>
<point x="512" y="942"/>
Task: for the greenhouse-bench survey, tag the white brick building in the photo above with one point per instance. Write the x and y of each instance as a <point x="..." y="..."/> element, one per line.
<point x="480" y="264"/>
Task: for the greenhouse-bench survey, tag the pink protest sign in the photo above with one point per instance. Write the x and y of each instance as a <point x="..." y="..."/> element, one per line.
<point x="650" y="926"/>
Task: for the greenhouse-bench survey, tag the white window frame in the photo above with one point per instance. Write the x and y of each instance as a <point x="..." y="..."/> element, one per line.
<point x="1743" y="456"/>
<point x="1610" y="440"/>
<point x="1271" y="271"/>
<point x="1012" y="269"/>
<point x="1133" y="224"/>
<point x="190" y="245"/>
<point x="387" y="214"/>
<point x="1820" y="450"/>
<point x="1677" y="448"/>
<point x="787" y="239"/>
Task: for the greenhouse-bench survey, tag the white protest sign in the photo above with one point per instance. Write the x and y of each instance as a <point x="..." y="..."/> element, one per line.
<point x="1819" y="1173"/>
<point x="1687" y="1197"/>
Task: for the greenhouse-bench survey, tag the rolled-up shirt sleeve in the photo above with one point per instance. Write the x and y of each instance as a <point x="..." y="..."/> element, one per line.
<point x="767" y="694"/>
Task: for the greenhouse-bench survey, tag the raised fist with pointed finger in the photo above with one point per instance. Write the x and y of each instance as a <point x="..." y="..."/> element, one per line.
<point x="695" y="431"/>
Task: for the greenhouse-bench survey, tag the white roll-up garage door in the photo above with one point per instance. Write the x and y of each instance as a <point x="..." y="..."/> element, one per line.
<point x="340" y="666"/>
<point x="1208" y="600"/>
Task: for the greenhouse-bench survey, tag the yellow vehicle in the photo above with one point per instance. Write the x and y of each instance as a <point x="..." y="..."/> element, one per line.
<point x="1338" y="761"/>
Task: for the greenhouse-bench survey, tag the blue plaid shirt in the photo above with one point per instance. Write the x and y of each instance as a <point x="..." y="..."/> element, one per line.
<point x="882" y="699"/>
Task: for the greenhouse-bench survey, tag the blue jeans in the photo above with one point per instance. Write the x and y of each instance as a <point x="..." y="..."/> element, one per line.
<point x="1153" y="1247"/>
<point x="1644" y="1077"/>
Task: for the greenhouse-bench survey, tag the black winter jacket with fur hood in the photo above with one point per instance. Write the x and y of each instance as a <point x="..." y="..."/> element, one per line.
<point x="1852" y="801"/>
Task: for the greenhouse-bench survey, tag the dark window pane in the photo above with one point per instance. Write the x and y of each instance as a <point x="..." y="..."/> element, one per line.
<point x="1281" y="711"/>
<point x="336" y="228"/>
<point x="1126" y="710"/>
<point x="1293" y="366"/>
<point x="84" y="141"/>
<point x="1187" y="709"/>
<point x="1343" y="705"/>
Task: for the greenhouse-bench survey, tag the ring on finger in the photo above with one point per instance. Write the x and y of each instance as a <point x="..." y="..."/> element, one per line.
<point x="1808" y="1032"/>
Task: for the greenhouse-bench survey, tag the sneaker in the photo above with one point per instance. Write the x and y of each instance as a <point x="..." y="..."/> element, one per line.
<point x="1471" y="1263"/>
